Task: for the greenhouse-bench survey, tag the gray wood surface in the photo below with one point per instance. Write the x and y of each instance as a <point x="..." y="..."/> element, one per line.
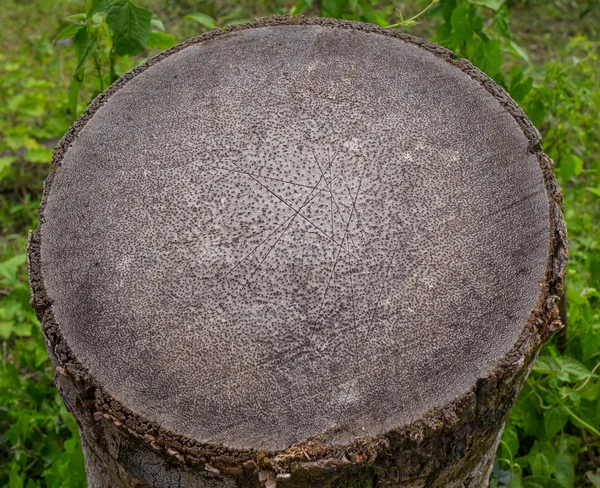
<point x="298" y="231"/>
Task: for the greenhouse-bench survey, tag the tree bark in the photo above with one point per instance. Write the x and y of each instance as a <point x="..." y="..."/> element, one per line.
<point x="297" y="252"/>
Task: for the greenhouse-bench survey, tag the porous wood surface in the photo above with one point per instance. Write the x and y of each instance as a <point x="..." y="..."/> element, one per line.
<point x="295" y="228"/>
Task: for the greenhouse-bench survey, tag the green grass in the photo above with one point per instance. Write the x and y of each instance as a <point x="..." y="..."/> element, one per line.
<point x="552" y="438"/>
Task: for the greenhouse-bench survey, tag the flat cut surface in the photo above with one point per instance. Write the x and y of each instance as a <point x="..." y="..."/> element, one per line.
<point x="287" y="229"/>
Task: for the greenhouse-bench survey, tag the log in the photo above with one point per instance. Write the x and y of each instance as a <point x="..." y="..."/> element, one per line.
<point x="297" y="252"/>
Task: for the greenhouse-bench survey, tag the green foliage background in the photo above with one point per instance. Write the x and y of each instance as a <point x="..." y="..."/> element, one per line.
<point x="56" y="56"/>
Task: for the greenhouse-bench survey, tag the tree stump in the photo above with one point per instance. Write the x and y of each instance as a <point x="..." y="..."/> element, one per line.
<point x="297" y="252"/>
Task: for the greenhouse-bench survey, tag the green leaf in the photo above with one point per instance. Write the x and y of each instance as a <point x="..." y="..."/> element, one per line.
<point x="448" y="7"/>
<point x="519" y="85"/>
<point x="88" y="49"/>
<point x="18" y="141"/>
<point x="376" y="17"/>
<point x="10" y="267"/>
<point x="539" y="482"/>
<point x="461" y="24"/>
<point x="500" y="22"/>
<point x="526" y="414"/>
<point x="564" y="368"/>
<point x="444" y="35"/>
<point x="571" y="166"/>
<point x="554" y="421"/>
<point x="41" y="155"/>
<point x="540" y="465"/>
<point x="520" y="91"/>
<point x="70" y="31"/>
<point x="161" y="40"/>
<point x="564" y="472"/>
<point x="332" y="8"/>
<point x="492" y="60"/>
<point x="510" y="442"/>
<point x="594" y="191"/>
<point x="157" y="24"/>
<point x="99" y="6"/>
<point x="519" y="51"/>
<point x="516" y="479"/>
<point x="536" y="111"/>
<point x="84" y="45"/>
<point x="546" y="365"/>
<point x="542" y="459"/>
<point x="203" y="19"/>
<point x="130" y="26"/>
<point x="77" y="18"/>
<point x="576" y="298"/>
<point x="80" y="42"/>
<point x="573" y="368"/>
<point x="16" y="479"/>
<point x="5" y="163"/>
<point x="491" y="4"/>
<point x="74" y="88"/>
<point x="14" y="329"/>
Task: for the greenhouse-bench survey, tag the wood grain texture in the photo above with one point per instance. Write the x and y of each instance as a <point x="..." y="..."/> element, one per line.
<point x="298" y="245"/>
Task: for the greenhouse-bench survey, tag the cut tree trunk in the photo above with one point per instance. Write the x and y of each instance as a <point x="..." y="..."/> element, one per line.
<point x="297" y="252"/>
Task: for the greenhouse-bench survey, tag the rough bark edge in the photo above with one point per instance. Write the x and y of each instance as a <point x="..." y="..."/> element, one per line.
<point x="316" y="454"/>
